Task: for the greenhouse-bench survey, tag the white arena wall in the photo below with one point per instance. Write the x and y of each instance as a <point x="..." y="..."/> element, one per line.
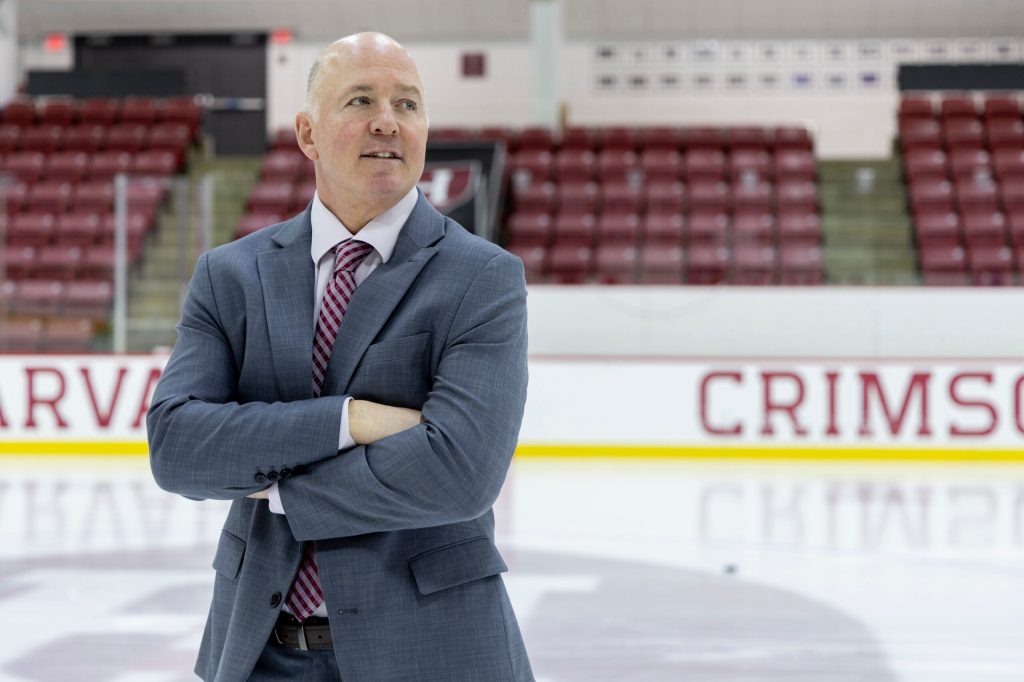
<point x="820" y="373"/>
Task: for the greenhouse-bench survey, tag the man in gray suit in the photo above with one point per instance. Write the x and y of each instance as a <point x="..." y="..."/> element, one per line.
<point x="354" y="380"/>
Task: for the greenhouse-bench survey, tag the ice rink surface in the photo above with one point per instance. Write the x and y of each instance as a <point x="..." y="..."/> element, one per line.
<point x="698" y="571"/>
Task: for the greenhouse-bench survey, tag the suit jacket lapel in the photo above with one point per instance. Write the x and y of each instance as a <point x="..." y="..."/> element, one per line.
<point x="376" y="298"/>
<point x="286" y="277"/>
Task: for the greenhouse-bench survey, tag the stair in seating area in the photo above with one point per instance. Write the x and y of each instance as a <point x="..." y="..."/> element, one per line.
<point x="157" y="287"/>
<point x="867" y="231"/>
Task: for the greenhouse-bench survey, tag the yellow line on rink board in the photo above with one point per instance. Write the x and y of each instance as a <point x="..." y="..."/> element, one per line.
<point x="576" y="451"/>
<point x="767" y="452"/>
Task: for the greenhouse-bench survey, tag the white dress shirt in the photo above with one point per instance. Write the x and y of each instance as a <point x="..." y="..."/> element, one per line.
<point x="381" y="233"/>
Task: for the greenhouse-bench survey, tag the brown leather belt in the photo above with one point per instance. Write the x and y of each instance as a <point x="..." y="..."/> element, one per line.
<point x="312" y="634"/>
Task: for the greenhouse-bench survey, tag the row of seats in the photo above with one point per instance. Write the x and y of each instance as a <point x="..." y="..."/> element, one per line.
<point x="143" y="195"/>
<point x="984" y="265"/>
<point x="83" y="229"/>
<point x="103" y="111"/>
<point x="31" y="167"/>
<point x="48" y="298"/>
<point x="634" y="138"/>
<point x="91" y="138"/>
<point x="664" y="264"/>
<point x="22" y="334"/>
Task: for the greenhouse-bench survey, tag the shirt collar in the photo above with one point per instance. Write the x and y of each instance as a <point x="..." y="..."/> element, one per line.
<point x="381" y="233"/>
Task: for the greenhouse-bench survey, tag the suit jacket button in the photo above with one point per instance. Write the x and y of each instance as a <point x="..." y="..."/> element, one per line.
<point x="261" y="477"/>
<point x="275" y="599"/>
<point x="272" y="476"/>
<point x="286" y="473"/>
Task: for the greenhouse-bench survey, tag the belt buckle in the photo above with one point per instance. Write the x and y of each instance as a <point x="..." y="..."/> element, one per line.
<point x="302" y="638"/>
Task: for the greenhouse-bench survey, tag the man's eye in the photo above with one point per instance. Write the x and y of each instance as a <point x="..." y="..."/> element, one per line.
<point x="408" y="105"/>
<point x="360" y="100"/>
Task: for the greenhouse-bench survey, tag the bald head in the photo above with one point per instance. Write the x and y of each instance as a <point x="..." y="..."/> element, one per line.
<point x="355" y="47"/>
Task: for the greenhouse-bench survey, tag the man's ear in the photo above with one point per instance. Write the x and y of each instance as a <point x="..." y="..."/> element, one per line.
<point x="304" y="135"/>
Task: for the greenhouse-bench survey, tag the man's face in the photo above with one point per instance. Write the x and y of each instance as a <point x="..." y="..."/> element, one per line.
<point x="369" y="136"/>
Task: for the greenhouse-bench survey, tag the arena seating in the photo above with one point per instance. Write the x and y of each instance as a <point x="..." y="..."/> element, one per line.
<point x="59" y="158"/>
<point x="963" y="160"/>
<point x="620" y="205"/>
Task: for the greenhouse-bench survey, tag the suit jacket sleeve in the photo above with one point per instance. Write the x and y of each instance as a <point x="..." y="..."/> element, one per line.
<point x="203" y="443"/>
<point x="451" y="467"/>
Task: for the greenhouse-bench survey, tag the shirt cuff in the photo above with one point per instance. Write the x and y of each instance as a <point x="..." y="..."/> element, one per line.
<point x="345" y="440"/>
<point x="274" y="496"/>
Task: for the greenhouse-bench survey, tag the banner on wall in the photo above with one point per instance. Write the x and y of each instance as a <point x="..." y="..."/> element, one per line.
<point x="97" y="404"/>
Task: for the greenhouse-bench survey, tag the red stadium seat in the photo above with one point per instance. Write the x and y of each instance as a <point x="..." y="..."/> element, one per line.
<point x="182" y="110"/>
<point x="569" y="264"/>
<point x="792" y="137"/>
<point x="1001" y="107"/>
<point x="663" y="196"/>
<point x="538" y="197"/>
<point x="31" y="229"/>
<point x="270" y="197"/>
<point x="944" y="266"/>
<point x="36" y="297"/>
<point x="618" y="228"/>
<point x="93" y="195"/>
<point x="620" y="138"/>
<point x="615" y="264"/>
<point x="963" y="133"/>
<point x="617" y="164"/>
<point x="973" y="195"/>
<point x="536" y="138"/>
<point x="747" y="138"/>
<point x="709" y="228"/>
<point x="800" y="265"/>
<point x="10" y="138"/>
<point x="710" y="195"/>
<point x="984" y="228"/>
<point x="142" y="110"/>
<point x="661" y="164"/>
<point x="304" y="192"/>
<point x="916" y="108"/>
<point x="127" y="137"/>
<point x="451" y="135"/>
<point x="754" y="227"/>
<point x="19" y="335"/>
<point x="1002" y="133"/>
<point x="795" y="164"/>
<point x="579" y="196"/>
<point x="67" y="336"/>
<point x="528" y="229"/>
<point x="938" y="229"/>
<point x="574" y="229"/>
<point x="1009" y="163"/>
<point x="926" y="163"/>
<point x="284" y="140"/>
<point x="920" y="133"/>
<point x="1015" y="226"/>
<point x="754" y="265"/>
<point x="750" y="163"/>
<point x="931" y="194"/>
<point x="58" y="262"/>
<point x="958" y="107"/>
<point x="48" y="196"/>
<point x="171" y="137"/>
<point x="970" y="163"/>
<point x="622" y="196"/>
<point x="19" y="112"/>
<point x="105" y="165"/>
<point x="13" y="195"/>
<point x="706" y="265"/>
<point x="282" y="165"/>
<point x="665" y="228"/>
<point x="991" y="265"/>
<point x="510" y="136"/>
<point x="753" y="196"/>
<point x="659" y="137"/>
<point x="77" y="229"/>
<point x="576" y="137"/>
<point x="1012" y="194"/>
<point x="19" y="262"/>
<point x="99" y="110"/>
<point x="796" y="195"/>
<point x="799" y="228"/>
<point x="705" y="138"/>
<point x="161" y="163"/>
<point x="42" y="138"/>
<point x="90" y="299"/>
<point x="575" y="164"/>
<point x="67" y="166"/>
<point x="531" y="166"/>
<point x="87" y="137"/>
<point x="704" y="164"/>
<point x="25" y="166"/>
<point x="661" y="263"/>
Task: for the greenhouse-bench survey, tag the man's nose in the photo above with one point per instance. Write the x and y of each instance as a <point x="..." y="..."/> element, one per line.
<point x="385" y="123"/>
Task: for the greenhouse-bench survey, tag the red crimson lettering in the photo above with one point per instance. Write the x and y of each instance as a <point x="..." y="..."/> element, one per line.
<point x="733" y="430"/>
<point x="993" y="417"/>
<point x="773" y="405"/>
<point x="147" y="394"/>
<point x="35" y="400"/>
<point x="833" y="379"/>
<point x="871" y="383"/>
<point x="103" y="419"/>
<point x="1018" y="418"/>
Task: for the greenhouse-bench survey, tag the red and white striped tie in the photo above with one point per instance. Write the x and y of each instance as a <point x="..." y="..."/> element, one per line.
<point x="306" y="594"/>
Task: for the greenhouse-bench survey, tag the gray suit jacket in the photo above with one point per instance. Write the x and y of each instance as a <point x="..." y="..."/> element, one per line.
<point x="403" y="528"/>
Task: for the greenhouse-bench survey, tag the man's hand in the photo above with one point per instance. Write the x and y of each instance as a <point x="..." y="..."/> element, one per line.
<point x="369" y="421"/>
